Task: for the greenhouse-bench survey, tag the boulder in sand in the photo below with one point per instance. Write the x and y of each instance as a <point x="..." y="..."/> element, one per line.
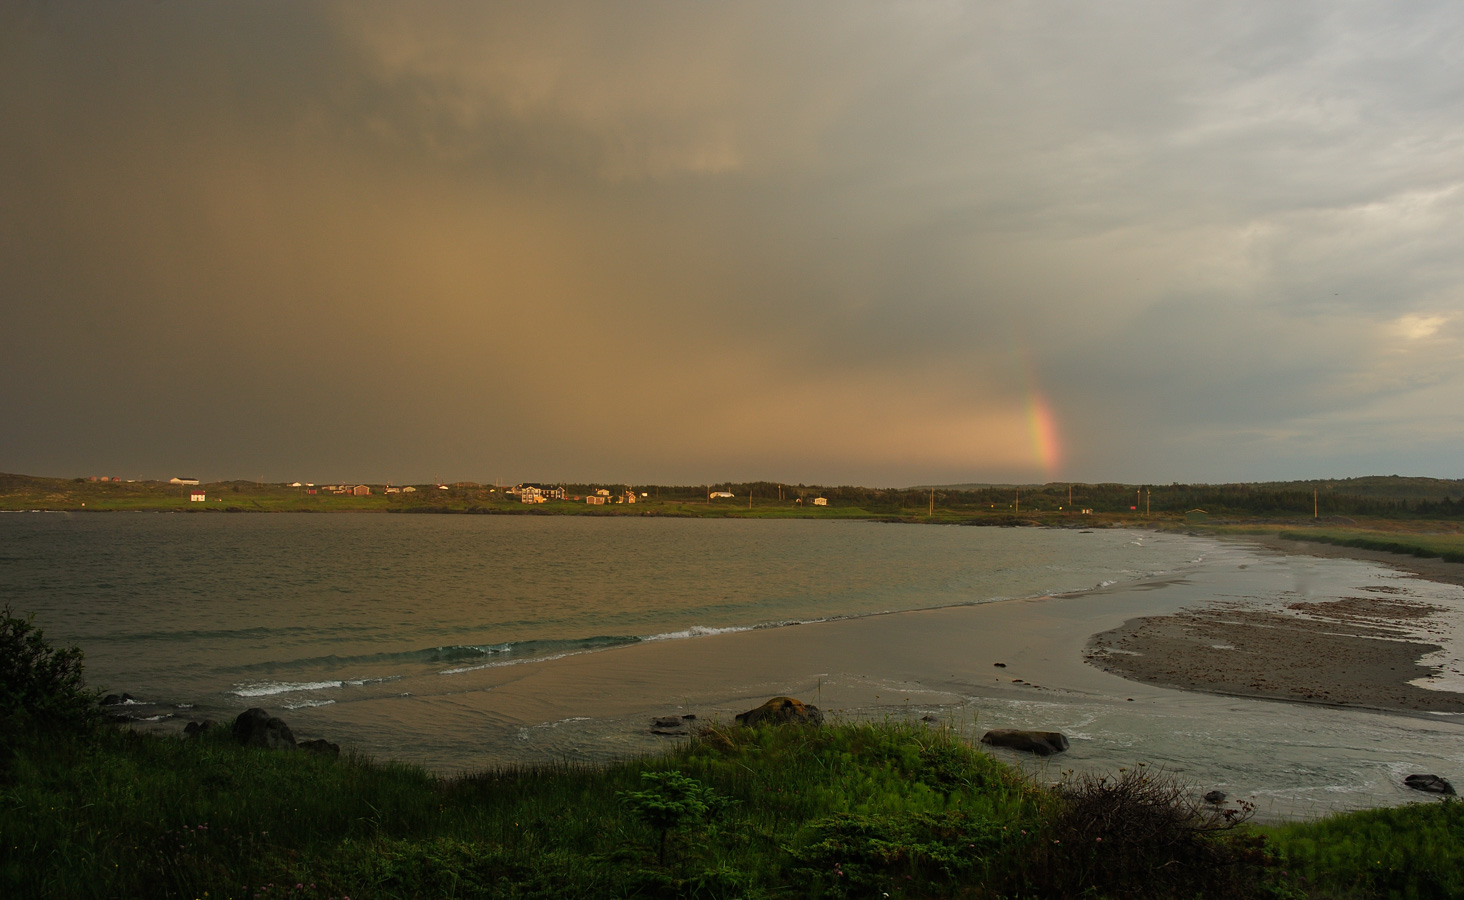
<point x="780" y="711"/>
<point x="257" y="728"/>
<point x="1042" y="743"/>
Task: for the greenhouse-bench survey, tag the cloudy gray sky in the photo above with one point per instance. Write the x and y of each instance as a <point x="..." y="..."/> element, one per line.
<point x="826" y="242"/>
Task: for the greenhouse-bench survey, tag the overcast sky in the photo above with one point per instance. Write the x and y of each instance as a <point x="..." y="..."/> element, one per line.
<point x="839" y="242"/>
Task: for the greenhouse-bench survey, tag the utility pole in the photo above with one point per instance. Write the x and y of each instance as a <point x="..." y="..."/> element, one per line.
<point x="1314" y="503"/>
<point x="1147" y="494"/>
<point x="1019" y="501"/>
<point x="932" y="502"/>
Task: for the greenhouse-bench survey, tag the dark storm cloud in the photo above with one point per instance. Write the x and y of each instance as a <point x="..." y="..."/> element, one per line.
<point x="676" y="241"/>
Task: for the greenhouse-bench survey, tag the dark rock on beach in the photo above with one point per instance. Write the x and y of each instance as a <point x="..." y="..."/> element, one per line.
<point x="117" y="699"/>
<point x="320" y="746"/>
<point x="257" y="728"/>
<point x="1429" y="784"/>
<point x="1215" y="797"/>
<point x="780" y="711"/>
<point x="1042" y="743"/>
<point x="670" y="726"/>
<point x="193" y="729"/>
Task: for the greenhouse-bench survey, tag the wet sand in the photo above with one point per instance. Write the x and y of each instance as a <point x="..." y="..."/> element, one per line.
<point x="1360" y="651"/>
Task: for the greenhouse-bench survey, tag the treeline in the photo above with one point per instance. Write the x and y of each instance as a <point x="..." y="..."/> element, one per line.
<point x="1414" y="497"/>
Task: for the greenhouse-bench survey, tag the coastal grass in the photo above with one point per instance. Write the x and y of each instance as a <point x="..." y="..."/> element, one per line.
<point x="1413" y="852"/>
<point x="841" y="811"/>
<point x="1448" y="547"/>
<point x="128" y="814"/>
<point x="848" y="810"/>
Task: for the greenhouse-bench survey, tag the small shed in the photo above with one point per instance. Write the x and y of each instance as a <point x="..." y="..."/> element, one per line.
<point x="197" y="497"/>
<point x="361" y="490"/>
<point x="820" y="501"/>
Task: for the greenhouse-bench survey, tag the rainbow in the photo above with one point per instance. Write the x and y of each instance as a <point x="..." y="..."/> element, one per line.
<point x="1042" y="426"/>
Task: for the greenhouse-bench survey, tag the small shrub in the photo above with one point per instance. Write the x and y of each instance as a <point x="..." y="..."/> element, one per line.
<point x="857" y="855"/>
<point x="1146" y="834"/>
<point x="41" y="687"/>
<point x="671" y="800"/>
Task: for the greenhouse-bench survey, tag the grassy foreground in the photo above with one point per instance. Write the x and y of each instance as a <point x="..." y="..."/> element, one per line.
<point x="853" y="810"/>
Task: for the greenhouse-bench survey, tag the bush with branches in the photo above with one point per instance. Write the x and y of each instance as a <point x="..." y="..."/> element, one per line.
<point x="1141" y="833"/>
<point x="41" y="687"/>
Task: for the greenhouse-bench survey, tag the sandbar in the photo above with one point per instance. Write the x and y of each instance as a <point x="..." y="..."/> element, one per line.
<point x="1366" y="650"/>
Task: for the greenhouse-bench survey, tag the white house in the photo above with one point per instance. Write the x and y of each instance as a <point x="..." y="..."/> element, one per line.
<point x="717" y="495"/>
<point x="820" y="501"/>
<point x="186" y="479"/>
<point x="530" y="492"/>
<point x="197" y="497"/>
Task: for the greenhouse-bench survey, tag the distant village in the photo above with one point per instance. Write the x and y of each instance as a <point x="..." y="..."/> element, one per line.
<point x="527" y="492"/>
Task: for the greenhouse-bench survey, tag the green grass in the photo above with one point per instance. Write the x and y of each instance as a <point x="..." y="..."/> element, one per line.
<point x="853" y="810"/>
<point x="1410" y="853"/>
<point x="133" y="815"/>
<point x="1448" y="547"/>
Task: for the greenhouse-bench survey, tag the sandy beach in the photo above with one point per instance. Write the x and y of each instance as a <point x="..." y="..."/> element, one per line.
<point x="1365" y="650"/>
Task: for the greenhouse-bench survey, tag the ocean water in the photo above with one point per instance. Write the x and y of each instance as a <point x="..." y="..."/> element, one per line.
<point x="464" y="642"/>
<point x="298" y="608"/>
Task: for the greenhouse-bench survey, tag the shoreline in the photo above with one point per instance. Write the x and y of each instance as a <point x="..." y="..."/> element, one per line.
<point x="1016" y="663"/>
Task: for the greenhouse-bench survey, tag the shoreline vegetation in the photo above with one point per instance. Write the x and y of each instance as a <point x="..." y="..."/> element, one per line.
<point x="840" y="810"/>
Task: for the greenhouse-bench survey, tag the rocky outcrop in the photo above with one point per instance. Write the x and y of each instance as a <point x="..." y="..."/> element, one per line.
<point x="257" y="728"/>
<point x="1042" y="743"/>
<point x="1215" y="797"/>
<point x="1429" y="784"/>
<point x="117" y="699"/>
<point x="781" y="711"/>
